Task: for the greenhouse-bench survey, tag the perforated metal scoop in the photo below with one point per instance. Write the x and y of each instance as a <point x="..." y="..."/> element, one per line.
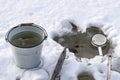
<point x="99" y="40"/>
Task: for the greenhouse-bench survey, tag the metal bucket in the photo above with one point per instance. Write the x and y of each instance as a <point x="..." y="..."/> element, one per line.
<point x="26" y="55"/>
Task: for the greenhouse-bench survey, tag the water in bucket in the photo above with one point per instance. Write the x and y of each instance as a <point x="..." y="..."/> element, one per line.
<point x="26" y="39"/>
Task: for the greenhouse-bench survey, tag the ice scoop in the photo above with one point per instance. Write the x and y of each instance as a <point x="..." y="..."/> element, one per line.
<point x="99" y="41"/>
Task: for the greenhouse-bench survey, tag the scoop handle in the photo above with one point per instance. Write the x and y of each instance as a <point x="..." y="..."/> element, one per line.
<point x="100" y="51"/>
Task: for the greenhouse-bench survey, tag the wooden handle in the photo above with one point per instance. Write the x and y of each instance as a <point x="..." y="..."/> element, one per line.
<point x="109" y="67"/>
<point x="26" y="24"/>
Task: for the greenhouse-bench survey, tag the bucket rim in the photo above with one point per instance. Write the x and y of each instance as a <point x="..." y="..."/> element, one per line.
<point x="27" y="24"/>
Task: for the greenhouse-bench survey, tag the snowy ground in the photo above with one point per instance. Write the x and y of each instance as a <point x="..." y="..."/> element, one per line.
<point x="49" y="14"/>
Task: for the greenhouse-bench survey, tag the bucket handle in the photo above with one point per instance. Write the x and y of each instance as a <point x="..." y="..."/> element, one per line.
<point x="32" y="24"/>
<point x="26" y="24"/>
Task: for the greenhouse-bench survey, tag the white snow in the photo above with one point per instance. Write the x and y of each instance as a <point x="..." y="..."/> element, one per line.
<point x="53" y="15"/>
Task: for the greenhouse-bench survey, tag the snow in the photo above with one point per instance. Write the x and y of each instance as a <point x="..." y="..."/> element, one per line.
<point x="53" y="15"/>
